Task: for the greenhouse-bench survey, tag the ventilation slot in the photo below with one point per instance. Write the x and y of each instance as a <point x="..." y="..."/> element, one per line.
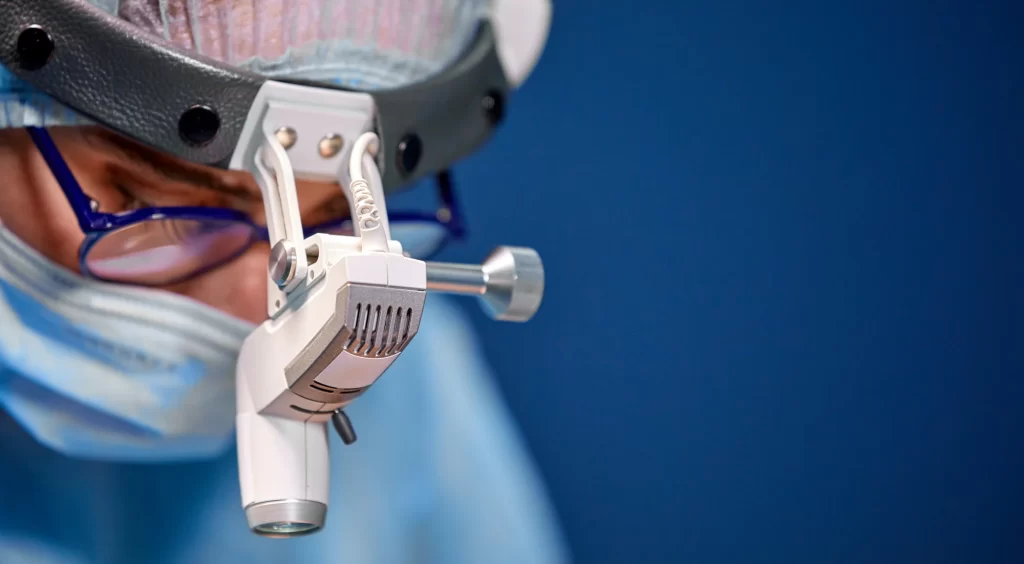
<point x="355" y="328"/>
<point x="403" y="328"/>
<point x="395" y="333"/>
<point x="322" y="388"/>
<point x="364" y="328"/>
<point x="373" y="332"/>
<point x="384" y="333"/>
<point x="311" y="412"/>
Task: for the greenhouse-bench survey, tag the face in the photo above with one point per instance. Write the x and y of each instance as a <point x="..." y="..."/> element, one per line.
<point x="122" y="175"/>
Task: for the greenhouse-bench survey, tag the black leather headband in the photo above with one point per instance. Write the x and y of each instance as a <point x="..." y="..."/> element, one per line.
<point x="194" y="107"/>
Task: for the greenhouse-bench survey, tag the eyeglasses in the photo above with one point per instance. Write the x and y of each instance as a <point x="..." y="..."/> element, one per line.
<point x="166" y="245"/>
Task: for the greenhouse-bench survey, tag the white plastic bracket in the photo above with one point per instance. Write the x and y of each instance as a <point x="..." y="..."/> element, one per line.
<point x="276" y="179"/>
<point x="312" y="116"/>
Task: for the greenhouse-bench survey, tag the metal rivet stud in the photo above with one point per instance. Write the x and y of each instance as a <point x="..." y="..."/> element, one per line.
<point x="410" y="149"/>
<point x="493" y="104"/>
<point x="331" y="145"/>
<point x="198" y="125"/>
<point x="35" y="47"/>
<point x="286" y="136"/>
<point x="282" y="263"/>
<point x="94" y="205"/>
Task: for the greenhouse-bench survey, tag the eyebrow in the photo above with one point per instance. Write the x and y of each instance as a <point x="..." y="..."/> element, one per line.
<point x="173" y="170"/>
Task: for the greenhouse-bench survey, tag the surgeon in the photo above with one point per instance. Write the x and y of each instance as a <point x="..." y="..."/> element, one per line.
<point x="116" y="383"/>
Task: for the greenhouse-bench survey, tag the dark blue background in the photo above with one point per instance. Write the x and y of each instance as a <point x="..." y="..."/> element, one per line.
<point x="783" y="319"/>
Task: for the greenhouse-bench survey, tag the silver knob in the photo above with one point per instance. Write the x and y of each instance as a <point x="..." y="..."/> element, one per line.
<point x="283" y="262"/>
<point x="510" y="282"/>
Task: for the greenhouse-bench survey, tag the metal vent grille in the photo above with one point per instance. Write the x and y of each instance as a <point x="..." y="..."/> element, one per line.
<point x="368" y="322"/>
<point x="379" y="330"/>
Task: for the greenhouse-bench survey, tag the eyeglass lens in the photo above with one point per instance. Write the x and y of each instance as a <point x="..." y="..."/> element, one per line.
<point x="162" y="251"/>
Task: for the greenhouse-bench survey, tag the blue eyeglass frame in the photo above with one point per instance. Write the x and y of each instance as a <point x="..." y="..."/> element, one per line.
<point x="95" y="224"/>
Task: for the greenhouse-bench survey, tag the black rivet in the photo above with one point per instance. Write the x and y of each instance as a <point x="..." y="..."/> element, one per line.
<point x="494" y="106"/>
<point x="410" y="149"/>
<point x="198" y="125"/>
<point x="34" y="48"/>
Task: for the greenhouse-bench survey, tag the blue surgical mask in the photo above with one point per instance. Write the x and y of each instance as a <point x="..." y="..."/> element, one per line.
<point x="101" y="371"/>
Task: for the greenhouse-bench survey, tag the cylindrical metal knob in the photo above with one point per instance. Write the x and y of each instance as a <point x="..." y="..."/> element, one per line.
<point x="452" y="278"/>
<point x="283" y="262"/>
<point x="510" y="282"/>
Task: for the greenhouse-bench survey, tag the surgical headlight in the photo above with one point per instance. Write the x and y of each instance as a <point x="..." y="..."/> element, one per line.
<point x="341" y="308"/>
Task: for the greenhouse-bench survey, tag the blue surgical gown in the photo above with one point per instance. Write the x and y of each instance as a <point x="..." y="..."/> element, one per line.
<point x="438" y="474"/>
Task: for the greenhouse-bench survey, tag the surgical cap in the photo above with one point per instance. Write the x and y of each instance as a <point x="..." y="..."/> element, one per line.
<point x="365" y="44"/>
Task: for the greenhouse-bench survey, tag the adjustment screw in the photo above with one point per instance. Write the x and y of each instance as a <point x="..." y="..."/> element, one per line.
<point x="331" y="145"/>
<point x="410" y="149"/>
<point x="35" y="47"/>
<point x="198" y="125"/>
<point x="493" y="104"/>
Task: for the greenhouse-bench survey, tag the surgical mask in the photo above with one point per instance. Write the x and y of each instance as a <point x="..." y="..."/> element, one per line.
<point x="99" y="371"/>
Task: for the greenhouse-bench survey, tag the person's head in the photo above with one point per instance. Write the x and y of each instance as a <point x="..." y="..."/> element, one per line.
<point x="121" y="175"/>
<point x="366" y="45"/>
<point x="362" y="44"/>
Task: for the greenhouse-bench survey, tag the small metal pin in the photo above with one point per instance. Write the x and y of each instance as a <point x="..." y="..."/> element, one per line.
<point x="331" y="145"/>
<point x="286" y="136"/>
